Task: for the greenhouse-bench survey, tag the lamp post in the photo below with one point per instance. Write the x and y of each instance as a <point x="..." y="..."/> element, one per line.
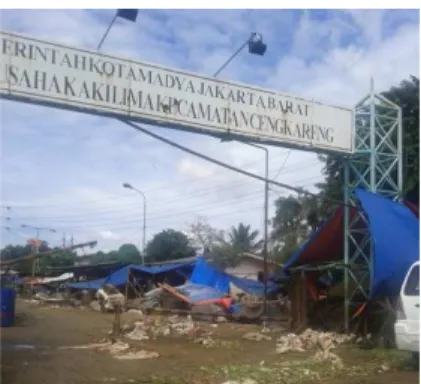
<point x="129" y="186"/>
<point x="257" y="47"/>
<point x="36" y="248"/>
<point x="265" y="220"/>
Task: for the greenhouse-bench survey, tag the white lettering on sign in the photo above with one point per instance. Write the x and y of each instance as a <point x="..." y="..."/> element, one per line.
<point x="47" y="73"/>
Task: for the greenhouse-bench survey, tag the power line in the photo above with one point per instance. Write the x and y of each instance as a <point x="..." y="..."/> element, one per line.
<point x="130" y="208"/>
<point x="83" y="217"/>
<point x="164" y="186"/>
<point x="283" y="165"/>
<point x="114" y="224"/>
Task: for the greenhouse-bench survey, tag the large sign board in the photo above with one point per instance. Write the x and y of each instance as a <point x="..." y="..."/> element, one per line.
<point x="47" y="73"/>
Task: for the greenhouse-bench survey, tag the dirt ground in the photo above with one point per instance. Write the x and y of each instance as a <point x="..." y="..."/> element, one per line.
<point x="30" y="352"/>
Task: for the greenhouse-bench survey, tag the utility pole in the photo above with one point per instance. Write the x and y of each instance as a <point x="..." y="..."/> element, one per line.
<point x="71" y="241"/>
<point x="64" y="240"/>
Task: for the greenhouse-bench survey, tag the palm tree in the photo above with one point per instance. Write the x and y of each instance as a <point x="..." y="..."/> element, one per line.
<point x="245" y="240"/>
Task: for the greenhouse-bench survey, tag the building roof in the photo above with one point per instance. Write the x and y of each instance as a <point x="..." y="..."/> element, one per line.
<point x="194" y="258"/>
<point x="175" y="261"/>
<point x="259" y="258"/>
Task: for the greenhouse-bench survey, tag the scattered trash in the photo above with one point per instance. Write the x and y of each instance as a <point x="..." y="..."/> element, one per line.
<point x="138" y="333"/>
<point x="153" y="328"/>
<point x="206" y="341"/>
<point x="256" y="336"/>
<point x="328" y="356"/>
<point x="117" y="349"/>
<point x="95" y="305"/>
<point x="384" y="368"/>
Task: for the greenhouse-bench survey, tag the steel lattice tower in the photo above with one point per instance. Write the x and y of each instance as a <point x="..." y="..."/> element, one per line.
<point x="376" y="166"/>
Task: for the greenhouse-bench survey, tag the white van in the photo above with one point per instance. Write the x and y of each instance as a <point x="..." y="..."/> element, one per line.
<point x="407" y="326"/>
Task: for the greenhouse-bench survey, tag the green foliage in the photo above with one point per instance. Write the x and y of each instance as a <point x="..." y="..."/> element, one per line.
<point x="129" y="253"/>
<point x="407" y="96"/>
<point x="295" y="217"/>
<point x="168" y="245"/>
<point x="57" y="258"/>
<point x="243" y="239"/>
<point x="225" y="255"/>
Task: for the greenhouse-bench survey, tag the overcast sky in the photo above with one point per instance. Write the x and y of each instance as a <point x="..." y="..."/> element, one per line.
<point x="65" y="170"/>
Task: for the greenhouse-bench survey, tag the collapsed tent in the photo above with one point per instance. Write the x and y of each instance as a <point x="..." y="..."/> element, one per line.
<point x="394" y="230"/>
<point x="253" y="287"/>
<point x="206" y="274"/>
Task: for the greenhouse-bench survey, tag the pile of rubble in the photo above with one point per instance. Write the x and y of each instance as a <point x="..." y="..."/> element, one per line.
<point x="310" y="339"/>
<point x="118" y="349"/>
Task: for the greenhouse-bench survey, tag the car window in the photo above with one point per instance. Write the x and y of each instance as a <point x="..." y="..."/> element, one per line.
<point x="412" y="287"/>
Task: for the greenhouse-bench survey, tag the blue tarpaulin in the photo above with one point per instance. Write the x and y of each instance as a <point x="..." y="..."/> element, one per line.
<point x="205" y="274"/>
<point x="253" y="287"/>
<point x="157" y="269"/>
<point x="395" y="234"/>
<point x="93" y="284"/>
<point x="119" y="277"/>
<point x="394" y="230"/>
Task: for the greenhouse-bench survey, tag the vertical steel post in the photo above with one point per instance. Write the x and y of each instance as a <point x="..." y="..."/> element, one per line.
<point x="346" y="208"/>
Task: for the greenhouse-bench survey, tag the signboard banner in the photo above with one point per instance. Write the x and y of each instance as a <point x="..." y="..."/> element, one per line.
<point x="42" y="72"/>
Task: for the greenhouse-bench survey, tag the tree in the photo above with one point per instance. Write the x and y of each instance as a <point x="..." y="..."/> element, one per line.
<point x="224" y="255"/>
<point x="244" y="239"/>
<point x="55" y="257"/>
<point x="295" y="218"/>
<point x="204" y="236"/>
<point x="129" y="253"/>
<point x="407" y="96"/>
<point x="168" y="245"/>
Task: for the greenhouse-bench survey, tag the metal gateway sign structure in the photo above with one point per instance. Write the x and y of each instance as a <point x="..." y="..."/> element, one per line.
<point x="369" y="137"/>
<point x="41" y="72"/>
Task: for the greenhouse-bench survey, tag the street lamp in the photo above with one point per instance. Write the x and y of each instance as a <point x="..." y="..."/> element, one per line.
<point x="265" y="219"/>
<point x="257" y="47"/>
<point x="129" y="186"/>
